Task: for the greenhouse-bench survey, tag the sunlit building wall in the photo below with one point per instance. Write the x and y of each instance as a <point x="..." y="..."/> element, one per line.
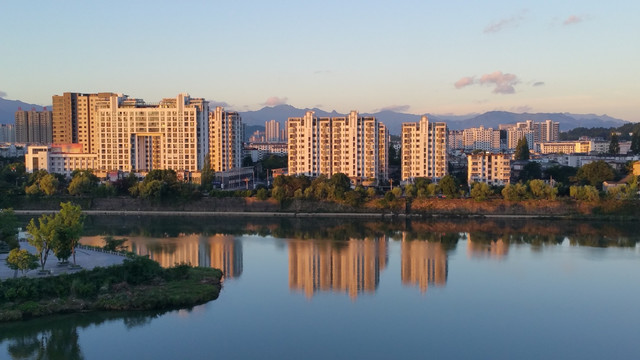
<point x="226" y="133"/>
<point x="424" y="150"/>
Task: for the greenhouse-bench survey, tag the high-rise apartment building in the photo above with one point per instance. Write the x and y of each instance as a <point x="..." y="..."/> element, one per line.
<point x="354" y="145"/>
<point x="535" y="132"/>
<point x="272" y="131"/>
<point x="226" y="133"/>
<point x="33" y="127"/>
<point x="424" y="150"/>
<point x="493" y="169"/>
<point x="7" y="133"/>
<point x="75" y="118"/>
<point x="134" y="136"/>
<point x="481" y="139"/>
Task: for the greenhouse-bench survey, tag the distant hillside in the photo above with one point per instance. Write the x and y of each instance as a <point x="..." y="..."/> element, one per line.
<point x="393" y="120"/>
<point x="8" y="109"/>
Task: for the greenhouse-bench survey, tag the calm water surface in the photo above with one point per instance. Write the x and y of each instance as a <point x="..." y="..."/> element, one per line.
<point x="343" y="289"/>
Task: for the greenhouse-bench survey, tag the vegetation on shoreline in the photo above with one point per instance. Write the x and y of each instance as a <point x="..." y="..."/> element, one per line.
<point x="137" y="284"/>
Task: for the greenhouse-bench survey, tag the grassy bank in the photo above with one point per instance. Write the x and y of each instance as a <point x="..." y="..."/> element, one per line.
<point x="137" y="284"/>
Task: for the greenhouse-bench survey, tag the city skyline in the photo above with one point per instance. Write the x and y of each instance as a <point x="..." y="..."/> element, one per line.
<point x="412" y="57"/>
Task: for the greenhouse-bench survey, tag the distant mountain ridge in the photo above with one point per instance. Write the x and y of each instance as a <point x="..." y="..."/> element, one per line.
<point x="393" y="120"/>
<point x="8" y="109"/>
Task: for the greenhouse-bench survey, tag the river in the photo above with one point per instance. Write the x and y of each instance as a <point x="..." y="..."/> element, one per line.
<point x="352" y="289"/>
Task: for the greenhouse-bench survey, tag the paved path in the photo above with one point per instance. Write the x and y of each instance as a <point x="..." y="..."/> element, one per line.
<point x="87" y="259"/>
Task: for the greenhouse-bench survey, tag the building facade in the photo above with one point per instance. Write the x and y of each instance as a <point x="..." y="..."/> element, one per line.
<point x="424" y="150"/>
<point x="354" y="145"/>
<point x="7" y="133"/>
<point x="134" y="136"/>
<point x="226" y="133"/>
<point x="33" y="127"/>
<point x="481" y="139"/>
<point x="59" y="159"/>
<point x="564" y="147"/>
<point x="485" y="167"/>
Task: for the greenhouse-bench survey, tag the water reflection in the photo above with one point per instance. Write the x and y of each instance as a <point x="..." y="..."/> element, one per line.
<point x="57" y="337"/>
<point x="223" y="252"/>
<point x="352" y="267"/>
<point x="423" y="263"/>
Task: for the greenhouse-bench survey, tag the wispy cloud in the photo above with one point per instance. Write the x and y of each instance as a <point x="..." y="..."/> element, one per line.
<point x="521" y="109"/>
<point x="3" y="94"/>
<point x="501" y="24"/>
<point x="396" y="108"/>
<point x="538" y="83"/>
<point x="213" y="103"/>
<point x="573" y="19"/>
<point x="465" y="81"/>
<point x="274" y="101"/>
<point x="504" y="83"/>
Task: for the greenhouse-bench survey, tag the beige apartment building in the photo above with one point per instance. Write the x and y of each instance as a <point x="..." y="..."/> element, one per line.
<point x="75" y="117"/>
<point x="354" y="145"/>
<point x="59" y="159"/>
<point x="139" y="137"/>
<point x="485" y="167"/>
<point x="424" y="150"/>
<point x="226" y="133"/>
<point x="481" y="139"/>
<point x="565" y="147"/>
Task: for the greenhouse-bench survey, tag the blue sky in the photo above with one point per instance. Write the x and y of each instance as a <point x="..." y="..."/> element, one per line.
<point x="444" y="57"/>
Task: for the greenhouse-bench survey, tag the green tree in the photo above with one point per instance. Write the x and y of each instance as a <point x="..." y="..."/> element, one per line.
<point x="339" y="184"/>
<point x="584" y="193"/>
<point x="480" y="191"/>
<point x="71" y="221"/>
<point x="540" y="190"/>
<point x="514" y="192"/>
<point x="113" y="244"/>
<point x="532" y="170"/>
<point x="83" y="182"/>
<point x="21" y="259"/>
<point x="595" y="173"/>
<point x="635" y="143"/>
<point x="262" y="194"/>
<point x="49" y="184"/>
<point x="448" y="186"/>
<point x="9" y="228"/>
<point x="43" y="235"/>
<point x="614" y="145"/>
<point x="207" y="174"/>
<point x="522" y="149"/>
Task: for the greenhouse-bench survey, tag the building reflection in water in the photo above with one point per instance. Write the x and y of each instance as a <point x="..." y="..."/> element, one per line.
<point x="479" y="246"/>
<point x="222" y="252"/>
<point x="351" y="266"/>
<point x="423" y="263"/>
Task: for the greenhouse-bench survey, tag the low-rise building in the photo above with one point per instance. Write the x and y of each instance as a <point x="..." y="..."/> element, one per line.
<point x="59" y="159"/>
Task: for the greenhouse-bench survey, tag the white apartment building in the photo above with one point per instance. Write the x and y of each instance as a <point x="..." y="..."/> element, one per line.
<point x="226" y="133"/>
<point x="59" y="159"/>
<point x="564" y="147"/>
<point x="535" y="132"/>
<point x="138" y="137"/>
<point x="493" y="169"/>
<point x="424" y="150"/>
<point x="481" y="139"/>
<point x="354" y="145"/>
<point x="272" y="132"/>
<point x="455" y="140"/>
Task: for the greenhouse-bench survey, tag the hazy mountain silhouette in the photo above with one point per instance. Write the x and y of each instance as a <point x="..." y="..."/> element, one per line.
<point x="393" y="120"/>
<point x="8" y="109"/>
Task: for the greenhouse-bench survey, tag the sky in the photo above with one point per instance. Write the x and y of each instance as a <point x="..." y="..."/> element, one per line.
<point x="438" y="57"/>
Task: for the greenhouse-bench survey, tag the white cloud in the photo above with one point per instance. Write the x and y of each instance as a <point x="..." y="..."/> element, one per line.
<point x="3" y="94"/>
<point x="573" y="19"/>
<point x="274" y="101"/>
<point x="501" y="24"/>
<point x="465" y="81"/>
<point x="521" y="109"/>
<point x="538" y="83"/>
<point x="503" y="82"/>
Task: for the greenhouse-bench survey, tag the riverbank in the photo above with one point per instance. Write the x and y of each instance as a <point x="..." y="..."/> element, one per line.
<point x="416" y="208"/>
<point x="137" y="284"/>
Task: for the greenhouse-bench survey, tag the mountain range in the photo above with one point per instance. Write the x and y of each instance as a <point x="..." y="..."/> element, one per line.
<point x="393" y="120"/>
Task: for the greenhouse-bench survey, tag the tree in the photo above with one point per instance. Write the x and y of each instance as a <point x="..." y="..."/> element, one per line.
<point x="207" y="174"/>
<point x="614" y="145"/>
<point x="595" y="173"/>
<point x="522" y="149"/>
<point x="42" y="236"/>
<point x="514" y="192"/>
<point x="635" y="143"/>
<point x="532" y="170"/>
<point x="71" y="222"/>
<point x="448" y="186"/>
<point x="9" y="228"/>
<point x="112" y="244"/>
<point x="21" y="259"/>
<point x="480" y="191"/>
<point x="584" y="193"/>
<point x="540" y="190"/>
<point x="83" y="182"/>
